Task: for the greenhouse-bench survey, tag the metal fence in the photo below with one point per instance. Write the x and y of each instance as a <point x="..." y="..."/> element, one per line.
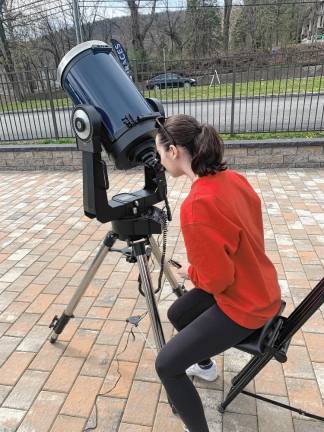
<point x="235" y="98"/>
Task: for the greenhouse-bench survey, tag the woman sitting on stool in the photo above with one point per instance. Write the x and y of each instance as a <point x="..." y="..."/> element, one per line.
<point x="237" y="290"/>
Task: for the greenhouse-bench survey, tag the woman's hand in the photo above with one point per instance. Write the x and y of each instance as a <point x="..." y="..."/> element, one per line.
<point x="183" y="271"/>
<point x="181" y="268"/>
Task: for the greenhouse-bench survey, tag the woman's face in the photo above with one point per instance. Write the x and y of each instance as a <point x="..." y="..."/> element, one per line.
<point x="170" y="159"/>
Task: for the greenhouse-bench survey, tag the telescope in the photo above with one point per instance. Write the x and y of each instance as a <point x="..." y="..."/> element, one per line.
<point x="110" y="115"/>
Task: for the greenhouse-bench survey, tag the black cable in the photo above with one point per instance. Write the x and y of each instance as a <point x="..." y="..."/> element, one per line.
<point x="135" y="320"/>
<point x="90" y="428"/>
<point x="26" y="21"/>
<point x="63" y="7"/>
<point x="164" y="224"/>
<point x="33" y="3"/>
<point x="59" y="8"/>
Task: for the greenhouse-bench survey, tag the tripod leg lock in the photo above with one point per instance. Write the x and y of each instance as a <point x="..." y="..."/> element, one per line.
<point x="110" y="239"/>
<point x="180" y="290"/>
<point x="58" y="324"/>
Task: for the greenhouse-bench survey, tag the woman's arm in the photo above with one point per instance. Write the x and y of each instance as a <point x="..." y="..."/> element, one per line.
<point x="210" y="250"/>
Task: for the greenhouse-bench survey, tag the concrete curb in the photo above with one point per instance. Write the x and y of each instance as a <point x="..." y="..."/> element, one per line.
<point x="284" y="153"/>
<point x="280" y="142"/>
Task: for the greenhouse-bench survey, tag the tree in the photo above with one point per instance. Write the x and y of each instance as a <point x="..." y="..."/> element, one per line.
<point x="309" y="20"/>
<point x="266" y="26"/>
<point x="139" y="27"/>
<point x="203" y="27"/>
<point x="226" y="23"/>
<point x="88" y="17"/>
<point x="168" y="32"/>
<point x="7" y="17"/>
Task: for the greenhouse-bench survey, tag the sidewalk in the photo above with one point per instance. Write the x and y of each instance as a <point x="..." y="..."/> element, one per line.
<point x="46" y="246"/>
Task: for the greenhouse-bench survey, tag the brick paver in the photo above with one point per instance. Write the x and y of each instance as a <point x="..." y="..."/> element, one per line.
<point x="46" y="246"/>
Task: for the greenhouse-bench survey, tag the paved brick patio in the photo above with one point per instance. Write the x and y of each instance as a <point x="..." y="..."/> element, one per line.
<point x="46" y="245"/>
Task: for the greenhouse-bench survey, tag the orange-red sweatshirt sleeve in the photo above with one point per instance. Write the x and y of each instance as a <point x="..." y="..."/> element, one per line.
<point x="210" y="246"/>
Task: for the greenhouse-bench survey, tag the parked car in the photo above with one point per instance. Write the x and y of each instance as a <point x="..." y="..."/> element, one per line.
<point x="169" y="80"/>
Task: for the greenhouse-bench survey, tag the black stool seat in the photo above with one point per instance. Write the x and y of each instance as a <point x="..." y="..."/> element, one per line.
<point x="264" y="337"/>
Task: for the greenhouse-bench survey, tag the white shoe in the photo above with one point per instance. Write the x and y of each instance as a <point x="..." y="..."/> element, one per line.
<point x="209" y="374"/>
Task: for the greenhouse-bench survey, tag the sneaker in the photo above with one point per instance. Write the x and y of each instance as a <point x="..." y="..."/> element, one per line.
<point x="209" y="374"/>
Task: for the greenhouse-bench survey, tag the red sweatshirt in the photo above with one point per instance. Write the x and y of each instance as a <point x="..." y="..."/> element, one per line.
<point x="222" y="226"/>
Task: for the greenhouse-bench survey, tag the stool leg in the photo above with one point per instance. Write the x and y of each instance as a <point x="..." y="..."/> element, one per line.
<point x="250" y="372"/>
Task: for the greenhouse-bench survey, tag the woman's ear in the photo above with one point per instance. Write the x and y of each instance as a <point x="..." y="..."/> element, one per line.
<point x="173" y="151"/>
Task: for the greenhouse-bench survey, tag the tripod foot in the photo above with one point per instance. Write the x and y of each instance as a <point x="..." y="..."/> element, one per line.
<point x="221" y="409"/>
<point x="53" y="337"/>
<point x="58" y="325"/>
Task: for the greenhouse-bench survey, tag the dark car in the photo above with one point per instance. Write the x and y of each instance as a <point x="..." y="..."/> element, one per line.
<point x="169" y="80"/>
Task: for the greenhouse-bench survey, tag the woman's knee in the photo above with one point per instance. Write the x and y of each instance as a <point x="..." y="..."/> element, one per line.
<point x="163" y="364"/>
<point x="173" y="314"/>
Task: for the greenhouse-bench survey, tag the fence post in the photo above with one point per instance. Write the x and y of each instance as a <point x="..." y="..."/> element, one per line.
<point x="233" y="98"/>
<point x="136" y="72"/>
<point x="51" y="103"/>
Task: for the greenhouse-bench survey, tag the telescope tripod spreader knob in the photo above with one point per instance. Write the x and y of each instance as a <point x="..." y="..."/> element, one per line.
<point x="80" y="125"/>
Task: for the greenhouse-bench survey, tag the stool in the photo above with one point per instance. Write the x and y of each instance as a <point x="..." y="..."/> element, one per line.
<point x="272" y="341"/>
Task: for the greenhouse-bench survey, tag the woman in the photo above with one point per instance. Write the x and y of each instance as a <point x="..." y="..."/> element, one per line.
<point x="236" y="284"/>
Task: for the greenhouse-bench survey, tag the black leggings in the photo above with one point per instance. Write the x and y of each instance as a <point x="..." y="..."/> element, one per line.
<point x="204" y="331"/>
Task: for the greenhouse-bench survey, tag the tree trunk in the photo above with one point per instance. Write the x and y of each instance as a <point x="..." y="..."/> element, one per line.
<point x="137" y="39"/>
<point x="226" y="25"/>
<point x="8" y="65"/>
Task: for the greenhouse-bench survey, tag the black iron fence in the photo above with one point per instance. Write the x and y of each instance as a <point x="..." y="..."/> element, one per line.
<point x="235" y="98"/>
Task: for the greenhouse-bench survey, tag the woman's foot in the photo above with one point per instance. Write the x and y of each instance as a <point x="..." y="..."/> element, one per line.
<point x="208" y="373"/>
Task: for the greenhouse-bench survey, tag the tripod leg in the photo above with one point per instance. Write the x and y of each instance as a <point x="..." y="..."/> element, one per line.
<point x="177" y="288"/>
<point x="139" y="249"/>
<point x="58" y="324"/>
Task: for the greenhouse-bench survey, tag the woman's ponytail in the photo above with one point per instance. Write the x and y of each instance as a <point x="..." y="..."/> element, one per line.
<point x="208" y="152"/>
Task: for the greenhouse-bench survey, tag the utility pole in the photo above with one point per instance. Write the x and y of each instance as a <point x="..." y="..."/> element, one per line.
<point x="77" y="23"/>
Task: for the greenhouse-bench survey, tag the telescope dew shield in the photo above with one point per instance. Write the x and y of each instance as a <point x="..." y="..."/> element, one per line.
<point x="90" y="75"/>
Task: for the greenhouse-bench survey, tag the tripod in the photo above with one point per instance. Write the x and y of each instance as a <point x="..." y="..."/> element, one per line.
<point x="137" y="232"/>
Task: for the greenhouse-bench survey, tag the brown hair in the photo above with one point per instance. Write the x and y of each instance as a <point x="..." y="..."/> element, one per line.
<point x="202" y="141"/>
